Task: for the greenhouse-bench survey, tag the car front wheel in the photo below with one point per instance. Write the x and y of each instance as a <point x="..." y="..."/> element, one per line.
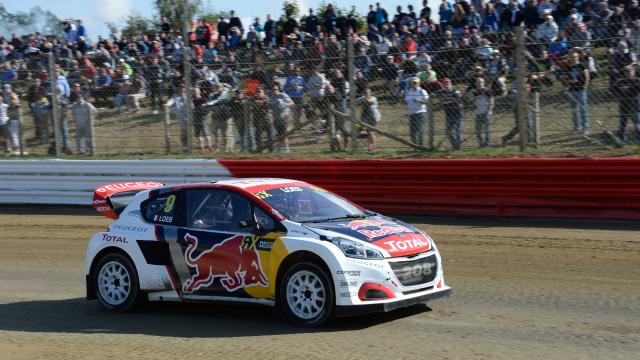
<point x="116" y="283"/>
<point x="307" y="297"/>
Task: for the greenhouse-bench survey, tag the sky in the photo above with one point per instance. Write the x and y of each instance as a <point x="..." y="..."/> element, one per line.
<point x="95" y="13"/>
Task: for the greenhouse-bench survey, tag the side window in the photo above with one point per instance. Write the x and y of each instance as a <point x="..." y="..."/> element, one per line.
<point x="214" y="209"/>
<point x="264" y="221"/>
<point x="162" y="209"/>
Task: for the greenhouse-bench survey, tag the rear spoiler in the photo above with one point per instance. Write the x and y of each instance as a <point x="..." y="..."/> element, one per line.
<point x="109" y="200"/>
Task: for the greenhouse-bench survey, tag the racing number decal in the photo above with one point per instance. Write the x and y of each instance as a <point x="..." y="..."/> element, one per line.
<point x="171" y="200"/>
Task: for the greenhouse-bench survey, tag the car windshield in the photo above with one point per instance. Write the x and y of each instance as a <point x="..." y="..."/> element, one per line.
<point x="306" y="203"/>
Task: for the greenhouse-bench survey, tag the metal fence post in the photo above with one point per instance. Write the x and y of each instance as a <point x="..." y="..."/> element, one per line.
<point x="92" y="138"/>
<point x="521" y="87"/>
<point x="352" y="95"/>
<point x="536" y="120"/>
<point x="167" y="132"/>
<point x="55" y="106"/>
<point x="20" y="139"/>
<point x="431" y="125"/>
<point x="186" y="73"/>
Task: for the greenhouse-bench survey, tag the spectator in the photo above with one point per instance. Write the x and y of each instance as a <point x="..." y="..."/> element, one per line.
<point x="491" y="18"/>
<point x="200" y="120"/>
<point x="626" y="91"/>
<point x="370" y="116"/>
<point x="547" y="31"/>
<point x="576" y="78"/>
<point x="484" y="102"/>
<point x="262" y="120"/>
<point x="177" y="105"/>
<point x="451" y="100"/>
<point x="155" y="74"/>
<point x="512" y="16"/>
<point x="4" y="126"/>
<point x="41" y="118"/>
<point x="295" y="87"/>
<point x="218" y="102"/>
<point x="280" y="104"/>
<point x="83" y="112"/>
<point x="269" y="32"/>
<point x="416" y="99"/>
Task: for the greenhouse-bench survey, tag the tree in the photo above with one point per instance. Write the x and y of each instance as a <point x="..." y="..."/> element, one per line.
<point x="360" y="20"/>
<point x="136" y="24"/>
<point x="113" y="30"/>
<point x="36" y="20"/>
<point x="174" y="11"/>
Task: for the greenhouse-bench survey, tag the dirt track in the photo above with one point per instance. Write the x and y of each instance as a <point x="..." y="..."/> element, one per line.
<point x="522" y="290"/>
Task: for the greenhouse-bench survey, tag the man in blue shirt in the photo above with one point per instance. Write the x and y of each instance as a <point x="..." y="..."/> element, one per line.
<point x="295" y="87"/>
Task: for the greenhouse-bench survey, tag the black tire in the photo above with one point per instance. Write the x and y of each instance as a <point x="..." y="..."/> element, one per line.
<point x="317" y="312"/>
<point x="125" y="287"/>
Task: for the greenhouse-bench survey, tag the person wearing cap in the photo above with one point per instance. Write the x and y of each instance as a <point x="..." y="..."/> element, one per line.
<point x="83" y="112"/>
<point x="627" y="90"/>
<point x="417" y="99"/>
<point x="124" y="90"/>
<point x="41" y="117"/>
<point x="547" y="31"/>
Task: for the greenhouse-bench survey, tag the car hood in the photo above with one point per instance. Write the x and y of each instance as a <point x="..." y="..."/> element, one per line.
<point x="395" y="237"/>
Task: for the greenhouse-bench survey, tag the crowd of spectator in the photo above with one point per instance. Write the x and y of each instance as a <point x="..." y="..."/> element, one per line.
<point x="272" y="76"/>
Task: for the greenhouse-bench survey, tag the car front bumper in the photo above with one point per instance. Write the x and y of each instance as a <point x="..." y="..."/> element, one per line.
<point x="351" y="310"/>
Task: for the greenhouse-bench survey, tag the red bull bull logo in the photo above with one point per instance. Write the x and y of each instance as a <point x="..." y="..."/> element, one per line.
<point x="358" y="224"/>
<point x="237" y="265"/>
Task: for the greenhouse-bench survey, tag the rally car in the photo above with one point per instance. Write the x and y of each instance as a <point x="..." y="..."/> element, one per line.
<point x="298" y="247"/>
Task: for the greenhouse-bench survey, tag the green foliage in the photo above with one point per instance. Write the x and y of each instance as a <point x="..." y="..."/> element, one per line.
<point x="113" y="29"/>
<point x="175" y="10"/>
<point x="136" y="24"/>
<point x="290" y="8"/>
<point x="35" y="20"/>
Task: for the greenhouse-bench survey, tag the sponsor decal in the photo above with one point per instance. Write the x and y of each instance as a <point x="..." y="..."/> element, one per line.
<point x="385" y="230"/>
<point x="415" y="243"/>
<point x="289" y="189"/>
<point x="262" y="194"/>
<point x="163" y="218"/>
<point x="354" y="273"/>
<point x="228" y="260"/>
<point x="99" y="202"/>
<point x="294" y="231"/>
<point x="372" y="264"/>
<point x="357" y="224"/>
<point x="257" y="243"/>
<point x="348" y="294"/>
<point x="114" y="239"/>
<point x="128" y="186"/>
<point x="346" y="284"/>
<point x="129" y="228"/>
<point x="102" y="208"/>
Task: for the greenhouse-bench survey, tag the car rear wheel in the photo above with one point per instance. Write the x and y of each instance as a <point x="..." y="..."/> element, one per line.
<point x="306" y="295"/>
<point x="116" y="283"/>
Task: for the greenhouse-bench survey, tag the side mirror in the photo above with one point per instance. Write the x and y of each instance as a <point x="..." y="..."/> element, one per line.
<point x="245" y="224"/>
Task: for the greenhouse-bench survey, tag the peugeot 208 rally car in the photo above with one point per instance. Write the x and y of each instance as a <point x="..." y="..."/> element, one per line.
<point x="284" y="243"/>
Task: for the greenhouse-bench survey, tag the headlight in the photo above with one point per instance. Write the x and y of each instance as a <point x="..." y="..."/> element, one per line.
<point x="356" y="250"/>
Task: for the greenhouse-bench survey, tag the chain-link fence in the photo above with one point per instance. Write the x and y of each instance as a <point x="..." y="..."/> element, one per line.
<point x="425" y="93"/>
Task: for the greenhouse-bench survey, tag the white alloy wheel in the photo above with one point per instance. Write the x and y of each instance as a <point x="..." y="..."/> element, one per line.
<point x="306" y="295"/>
<point x="114" y="283"/>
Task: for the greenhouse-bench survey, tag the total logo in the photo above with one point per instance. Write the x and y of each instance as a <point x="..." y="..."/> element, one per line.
<point x="395" y="245"/>
<point x="114" y="239"/>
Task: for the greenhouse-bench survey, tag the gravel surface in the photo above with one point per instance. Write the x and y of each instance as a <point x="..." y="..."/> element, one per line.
<point x="522" y="290"/>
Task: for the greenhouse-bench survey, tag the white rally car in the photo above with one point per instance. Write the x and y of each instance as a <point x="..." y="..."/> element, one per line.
<point x="308" y="252"/>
